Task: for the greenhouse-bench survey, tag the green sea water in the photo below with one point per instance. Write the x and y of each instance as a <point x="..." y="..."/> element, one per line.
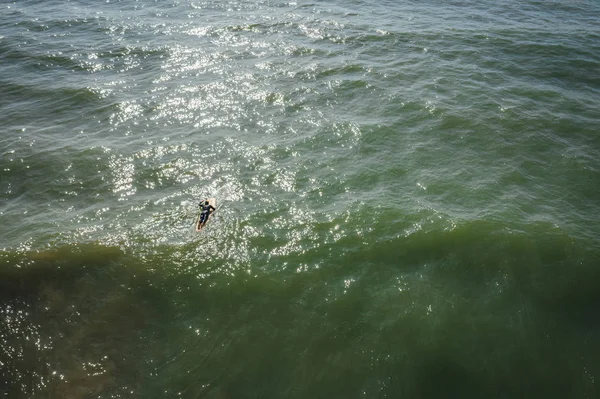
<point x="408" y="199"/>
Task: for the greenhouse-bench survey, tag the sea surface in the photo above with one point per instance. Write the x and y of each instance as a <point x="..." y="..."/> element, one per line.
<point x="408" y="199"/>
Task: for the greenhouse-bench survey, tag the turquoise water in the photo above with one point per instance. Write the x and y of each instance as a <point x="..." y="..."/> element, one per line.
<point x="408" y="199"/>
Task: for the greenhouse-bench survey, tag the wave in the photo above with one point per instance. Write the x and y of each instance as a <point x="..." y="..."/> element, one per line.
<point x="120" y="311"/>
<point x="24" y="92"/>
<point x="23" y="103"/>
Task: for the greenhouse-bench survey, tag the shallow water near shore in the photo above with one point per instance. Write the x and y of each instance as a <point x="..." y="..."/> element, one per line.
<point x="408" y="199"/>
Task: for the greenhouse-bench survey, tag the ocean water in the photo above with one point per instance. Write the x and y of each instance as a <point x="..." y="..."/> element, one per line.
<point x="408" y="199"/>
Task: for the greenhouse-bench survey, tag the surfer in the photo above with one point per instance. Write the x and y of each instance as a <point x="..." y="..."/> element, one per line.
<point x="205" y="210"/>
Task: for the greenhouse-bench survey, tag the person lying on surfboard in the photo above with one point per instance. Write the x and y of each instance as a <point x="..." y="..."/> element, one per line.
<point x="206" y="209"/>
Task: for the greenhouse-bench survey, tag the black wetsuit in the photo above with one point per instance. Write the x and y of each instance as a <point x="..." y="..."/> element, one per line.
<point x="205" y="212"/>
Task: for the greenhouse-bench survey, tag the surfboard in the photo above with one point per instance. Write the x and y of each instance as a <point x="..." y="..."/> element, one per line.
<point x="211" y="201"/>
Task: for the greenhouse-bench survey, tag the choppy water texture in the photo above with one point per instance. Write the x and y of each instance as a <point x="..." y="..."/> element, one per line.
<point x="409" y="199"/>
